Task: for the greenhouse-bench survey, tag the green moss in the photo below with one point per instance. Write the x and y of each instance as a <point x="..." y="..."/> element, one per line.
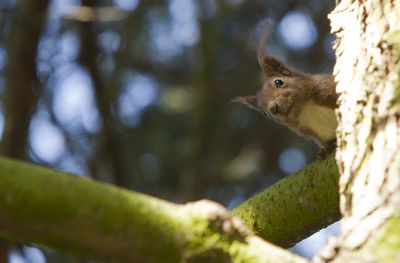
<point x="296" y="206"/>
<point x="44" y="207"/>
<point x="66" y="212"/>
<point x="387" y="248"/>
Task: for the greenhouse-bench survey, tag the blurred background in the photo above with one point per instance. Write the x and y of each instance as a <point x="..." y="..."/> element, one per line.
<point x="137" y="94"/>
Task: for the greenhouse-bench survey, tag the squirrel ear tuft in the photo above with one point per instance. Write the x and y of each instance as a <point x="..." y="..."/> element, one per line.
<point x="249" y="101"/>
<point x="274" y="67"/>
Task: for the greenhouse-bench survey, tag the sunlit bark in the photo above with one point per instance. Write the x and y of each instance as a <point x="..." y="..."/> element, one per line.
<point x="367" y="71"/>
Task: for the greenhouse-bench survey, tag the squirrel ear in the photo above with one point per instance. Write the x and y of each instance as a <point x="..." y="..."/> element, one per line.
<point x="249" y="101"/>
<point x="274" y="67"/>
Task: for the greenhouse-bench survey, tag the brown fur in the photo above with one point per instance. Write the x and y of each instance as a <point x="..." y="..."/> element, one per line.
<point x="287" y="103"/>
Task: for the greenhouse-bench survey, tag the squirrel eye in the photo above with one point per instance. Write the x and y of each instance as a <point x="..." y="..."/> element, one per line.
<point x="278" y="83"/>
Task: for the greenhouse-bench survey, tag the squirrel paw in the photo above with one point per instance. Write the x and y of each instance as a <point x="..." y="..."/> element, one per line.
<point x="328" y="149"/>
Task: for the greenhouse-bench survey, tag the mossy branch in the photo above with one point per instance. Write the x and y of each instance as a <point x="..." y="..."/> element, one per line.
<point x="295" y="207"/>
<point x="74" y="214"/>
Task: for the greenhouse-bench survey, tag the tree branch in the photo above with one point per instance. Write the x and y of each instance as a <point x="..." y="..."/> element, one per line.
<point x="65" y="212"/>
<point x="295" y="207"/>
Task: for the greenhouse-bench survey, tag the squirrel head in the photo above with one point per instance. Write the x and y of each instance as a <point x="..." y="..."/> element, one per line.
<point x="283" y="94"/>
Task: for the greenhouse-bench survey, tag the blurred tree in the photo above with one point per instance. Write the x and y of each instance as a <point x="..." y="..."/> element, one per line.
<point x="21" y="95"/>
<point x="22" y="90"/>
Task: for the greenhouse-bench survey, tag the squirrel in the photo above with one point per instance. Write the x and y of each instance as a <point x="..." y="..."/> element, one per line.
<point x="305" y="103"/>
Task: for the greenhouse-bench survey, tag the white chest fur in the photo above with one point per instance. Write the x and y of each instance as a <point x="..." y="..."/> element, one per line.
<point x="320" y="119"/>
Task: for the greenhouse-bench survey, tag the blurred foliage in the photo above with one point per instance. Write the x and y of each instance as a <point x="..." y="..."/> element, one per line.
<point x="137" y="93"/>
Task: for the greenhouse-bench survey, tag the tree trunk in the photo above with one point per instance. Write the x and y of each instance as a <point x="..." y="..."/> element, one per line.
<point x="20" y="96"/>
<point x="367" y="71"/>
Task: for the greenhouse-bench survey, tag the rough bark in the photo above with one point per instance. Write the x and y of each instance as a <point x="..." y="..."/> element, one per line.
<point x="367" y="71"/>
<point x="65" y="212"/>
<point x="295" y="207"/>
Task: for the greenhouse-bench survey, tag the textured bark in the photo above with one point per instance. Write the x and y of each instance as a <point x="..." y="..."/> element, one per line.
<point x="367" y="71"/>
<point x="65" y="212"/>
<point x="295" y="207"/>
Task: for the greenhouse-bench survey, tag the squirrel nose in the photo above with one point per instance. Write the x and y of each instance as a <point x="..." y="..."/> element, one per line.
<point x="273" y="107"/>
